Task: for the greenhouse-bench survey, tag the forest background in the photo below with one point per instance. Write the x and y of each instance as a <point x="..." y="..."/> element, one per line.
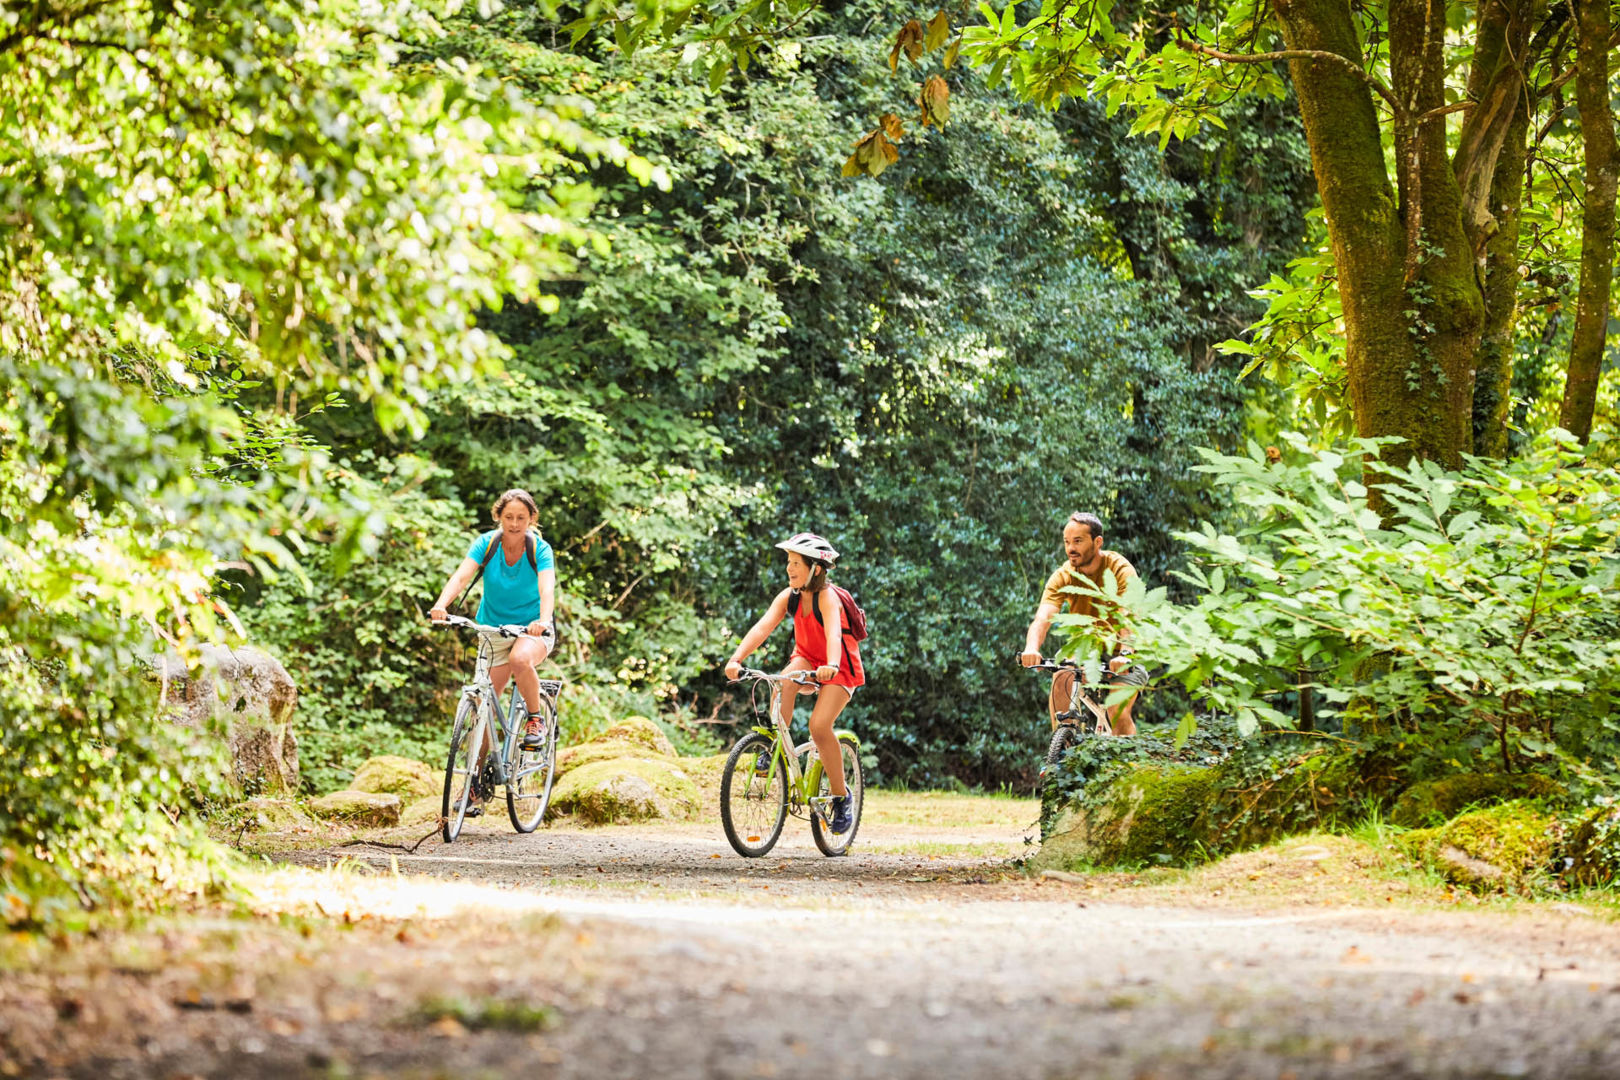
<point x="293" y="293"/>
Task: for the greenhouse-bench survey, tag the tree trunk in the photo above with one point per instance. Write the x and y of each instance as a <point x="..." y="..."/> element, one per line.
<point x="1602" y="159"/>
<point x="1410" y="375"/>
<point x="1489" y="166"/>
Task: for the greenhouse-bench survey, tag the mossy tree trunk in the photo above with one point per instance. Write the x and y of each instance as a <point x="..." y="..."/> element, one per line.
<point x="1413" y="305"/>
<point x="1602" y="160"/>
<point x="1498" y="128"/>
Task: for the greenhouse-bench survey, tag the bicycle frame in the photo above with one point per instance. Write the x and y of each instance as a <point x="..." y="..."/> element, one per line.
<point x="803" y="783"/>
<point x="1081" y="692"/>
<point x="486" y="705"/>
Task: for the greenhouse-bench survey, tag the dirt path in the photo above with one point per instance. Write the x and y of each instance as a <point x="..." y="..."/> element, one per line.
<point x="659" y="953"/>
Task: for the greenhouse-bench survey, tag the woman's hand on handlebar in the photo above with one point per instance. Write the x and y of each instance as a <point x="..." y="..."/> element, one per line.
<point x="1030" y="658"/>
<point x="438" y="614"/>
<point x="733" y="670"/>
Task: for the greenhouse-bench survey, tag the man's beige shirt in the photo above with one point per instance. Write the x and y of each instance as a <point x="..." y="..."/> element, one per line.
<point x="1066" y="576"/>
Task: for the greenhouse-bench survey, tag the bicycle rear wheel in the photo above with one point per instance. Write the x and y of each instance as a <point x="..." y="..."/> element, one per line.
<point x="753" y="807"/>
<point x="460" y="769"/>
<point x="829" y="842"/>
<point x="528" y="788"/>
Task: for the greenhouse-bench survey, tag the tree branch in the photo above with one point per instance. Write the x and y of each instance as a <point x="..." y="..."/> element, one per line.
<point x="1299" y="54"/>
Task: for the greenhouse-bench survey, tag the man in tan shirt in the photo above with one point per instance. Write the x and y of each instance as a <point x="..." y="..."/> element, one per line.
<point x="1083" y="543"/>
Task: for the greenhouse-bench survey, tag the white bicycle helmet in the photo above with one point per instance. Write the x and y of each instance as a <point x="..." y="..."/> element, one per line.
<point x="812" y="547"/>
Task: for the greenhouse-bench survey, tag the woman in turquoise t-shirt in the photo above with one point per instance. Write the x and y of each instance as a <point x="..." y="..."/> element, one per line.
<point x="517" y="592"/>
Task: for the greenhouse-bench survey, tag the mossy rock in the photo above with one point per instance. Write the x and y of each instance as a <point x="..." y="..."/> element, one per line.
<point x="639" y="731"/>
<point x="1501" y="849"/>
<point x="626" y="789"/>
<point x="363" y="808"/>
<point x="573" y="757"/>
<point x="423" y="810"/>
<point x="1435" y="801"/>
<point x="1594" y="848"/>
<point x="1150" y="815"/>
<point x="391" y="775"/>
<point x="273" y="815"/>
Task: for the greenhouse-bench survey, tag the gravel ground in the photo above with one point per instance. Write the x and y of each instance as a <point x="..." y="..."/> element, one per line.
<point x="659" y="953"/>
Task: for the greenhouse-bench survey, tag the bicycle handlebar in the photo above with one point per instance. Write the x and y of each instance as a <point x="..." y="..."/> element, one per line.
<point x="803" y="678"/>
<point x="460" y="622"/>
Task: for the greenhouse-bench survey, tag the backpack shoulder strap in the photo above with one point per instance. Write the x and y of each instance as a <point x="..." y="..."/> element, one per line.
<point x="489" y="553"/>
<point x="529" y="548"/>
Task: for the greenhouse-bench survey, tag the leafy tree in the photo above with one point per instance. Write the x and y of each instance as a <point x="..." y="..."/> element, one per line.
<point x="1419" y="137"/>
<point x="201" y="207"/>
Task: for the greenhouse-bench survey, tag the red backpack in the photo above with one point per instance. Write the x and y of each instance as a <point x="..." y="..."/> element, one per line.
<point x="853" y="615"/>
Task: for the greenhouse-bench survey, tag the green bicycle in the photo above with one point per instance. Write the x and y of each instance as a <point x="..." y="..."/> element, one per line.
<point x="756" y="796"/>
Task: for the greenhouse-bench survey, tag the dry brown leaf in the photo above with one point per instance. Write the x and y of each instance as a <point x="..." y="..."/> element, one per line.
<point x="908" y="41"/>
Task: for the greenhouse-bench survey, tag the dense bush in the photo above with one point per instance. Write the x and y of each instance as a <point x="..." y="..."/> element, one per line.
<point x="1464" y="617"/>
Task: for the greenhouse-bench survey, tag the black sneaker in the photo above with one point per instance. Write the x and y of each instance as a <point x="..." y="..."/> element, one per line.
<point x="534" y="733"/>
<point x="842" y="818"/>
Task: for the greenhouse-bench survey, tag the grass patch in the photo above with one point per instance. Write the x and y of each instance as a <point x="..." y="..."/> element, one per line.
<point x="484" y="1014"/>
<point x="950" y="809"/>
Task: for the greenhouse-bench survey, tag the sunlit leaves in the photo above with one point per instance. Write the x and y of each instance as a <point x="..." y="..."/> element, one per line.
<point x="1486" y="599"/>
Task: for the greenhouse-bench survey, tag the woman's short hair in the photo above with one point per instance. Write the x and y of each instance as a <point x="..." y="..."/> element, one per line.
<point x="514" y="495"/>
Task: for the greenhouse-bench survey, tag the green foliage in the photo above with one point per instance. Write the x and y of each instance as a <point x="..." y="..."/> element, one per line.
<point x="1430" y="802"/>
<point x="1482" y="605"/>
<point x="766" y="344"/>
<point x="207" y="217"/>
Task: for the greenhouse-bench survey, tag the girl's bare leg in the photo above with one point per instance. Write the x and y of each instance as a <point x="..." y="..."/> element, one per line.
<point x="830" y="702"/>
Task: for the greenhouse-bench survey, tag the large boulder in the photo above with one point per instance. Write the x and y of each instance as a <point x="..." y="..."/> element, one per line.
<point x="388" y="774"/>
<point x="627" y="789"/>
<point x="1502" y="849"/>
<point x="635" y="737"/>
<point x="248" y="696"/>
<point x="1433" y="802"/>
<point x="1149" y="815"/>
<point x="363" y="808"/>
<point x="639" y="731"/>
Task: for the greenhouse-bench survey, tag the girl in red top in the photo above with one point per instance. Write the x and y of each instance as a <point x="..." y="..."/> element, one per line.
<point x="819" y="645"/>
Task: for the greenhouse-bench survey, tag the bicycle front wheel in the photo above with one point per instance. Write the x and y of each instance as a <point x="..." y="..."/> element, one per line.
<point x="753" y="806"/>
<point x="461" y="768"/>
<point x="528" y="788"/>
<point x="829" y="842"/>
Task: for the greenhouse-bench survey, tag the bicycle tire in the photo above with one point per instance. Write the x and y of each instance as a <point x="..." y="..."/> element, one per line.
<point x="835" y="844"/>
<point x="762" y="827"/>
<point x="546" y="769"/>
<point x="453" y="808"/>
<point x="1064" y="737"/>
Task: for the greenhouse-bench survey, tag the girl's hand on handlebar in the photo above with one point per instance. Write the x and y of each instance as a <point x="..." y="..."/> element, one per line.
<point x="825" y="673"/>
<point x="1029" y="659"/>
